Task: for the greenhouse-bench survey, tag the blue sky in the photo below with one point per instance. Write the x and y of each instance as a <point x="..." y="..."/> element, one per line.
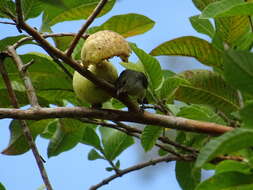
<point x="72" y="170"/>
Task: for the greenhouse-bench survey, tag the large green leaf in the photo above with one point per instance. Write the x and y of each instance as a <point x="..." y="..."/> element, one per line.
<point x="49" y="81"/>
<point x="7" y="6"/>
<point x="90" y="136"/>
<point x="228" y="8"/>
<point x="72" y="10"/>
<point x="186" y="177"/>
<point x="239" y="70"/>
<point x="115" y="143"/>
<point x="5" y="42"/>
<point x="2" y="187"/>
<point x="201" y="4"/>
<point x="226" y="181"/>
<point x="233" y="166"/>
<point x="231" y="29"/>
<point x="151" y="65"/>
<point x="191" y="46"/>
<point x="31" y="8"/>
<point x="208" y="88"/>
<point x="18" y="143"/>
<point x="68" y="134"/>
<point x="127" y="25"/>
<point x="229" y="142"/>
<point x="203" y="26"/>
<point x="170" y="86"/>
<point x="246" y="115"/>
<point x="149" y="136"/>
<point x="201" y="113"/>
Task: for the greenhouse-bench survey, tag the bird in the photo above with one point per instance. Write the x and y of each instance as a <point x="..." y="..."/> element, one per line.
<point x="132" y="83"/>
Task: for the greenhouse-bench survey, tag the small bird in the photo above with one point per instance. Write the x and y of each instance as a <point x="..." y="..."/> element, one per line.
<point x="133" y="83"/>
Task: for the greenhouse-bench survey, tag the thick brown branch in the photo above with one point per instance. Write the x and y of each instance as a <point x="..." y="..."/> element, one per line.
<point x="138" y="167"/>
<point x="90" y="19"/>
<point x="117" y="115"/>
<point x="19" y="12"/>
<point x="25" y="76"/>
<point x="25" y="127"/>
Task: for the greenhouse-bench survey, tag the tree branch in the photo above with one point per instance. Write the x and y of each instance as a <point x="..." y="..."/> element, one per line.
<point x="138" y="167"/>
<point x="172" y="122"/>
<point x="19" y="12"/>
<point x="10" y="23"/>
<point x="25" y="76"/>
<point x="25" y="128"/>
<point x="90" y="19"/>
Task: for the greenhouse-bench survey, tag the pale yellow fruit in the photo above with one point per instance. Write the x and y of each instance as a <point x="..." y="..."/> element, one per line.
<point x="86" y="91"/>
<point x="103" y="45"/>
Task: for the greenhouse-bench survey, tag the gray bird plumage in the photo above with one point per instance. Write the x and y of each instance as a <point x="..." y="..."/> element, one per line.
<point x="133" y="83"/>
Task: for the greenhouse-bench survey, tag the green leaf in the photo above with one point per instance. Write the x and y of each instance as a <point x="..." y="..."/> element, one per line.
<point x="228" y="8"/>
<point x="116" y="143"/>
<point x="31" y="8"/>
<point x="151" y="66"/>
<point x="186" y="177"/>
<point x="246" y="115"/>
<point x="133" y="66"/>
<point x="170" y="86"/>
<point x="2" y="187"/>
<point x="73" y="10"/>
<point x="232" y="141"/>
<point x="201" y="113"/>
<point x="127" y="25"/>
<point x="239" y="70"/>
<point x="191" y="46"/>
<point x="201" y="4"/>
<point x="233" y="166"/>
<point x="11" y="40"/>
<point x="94" y="155"/>
<point x="109" y="169"/>
<point x="203" y="26"/>
<point x="149" y="136"/>
<point x="231" y="29"/>
<point x="18" y="143"/>
<point x="90" y="136"/>
<point x="68" y="133"/>
<point x="208" y="88"/>
<point x="7" y="6"/>
<point x="226" y="181"/>
<point x="44" y="73"/>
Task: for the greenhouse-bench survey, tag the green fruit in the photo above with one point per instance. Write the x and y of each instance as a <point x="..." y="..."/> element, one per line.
<point x="87" y="91"/>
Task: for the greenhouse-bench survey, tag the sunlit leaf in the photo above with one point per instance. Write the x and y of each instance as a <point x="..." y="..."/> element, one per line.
<point x="127" y="25"/>
<point x="203" y="26"/>
<point x="191" y="46"/>
<point x="208" y="88"/>
<point x="151" y="65"/>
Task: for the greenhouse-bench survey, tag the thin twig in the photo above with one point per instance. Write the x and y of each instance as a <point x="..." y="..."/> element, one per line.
<point x="10" y="23"/>
<point x="25" y="127"/>
<point x="25" y="66"/>
<point x="88" y="22"/>
<point x="138" y="167"/>
<point x="25" y="76"/>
